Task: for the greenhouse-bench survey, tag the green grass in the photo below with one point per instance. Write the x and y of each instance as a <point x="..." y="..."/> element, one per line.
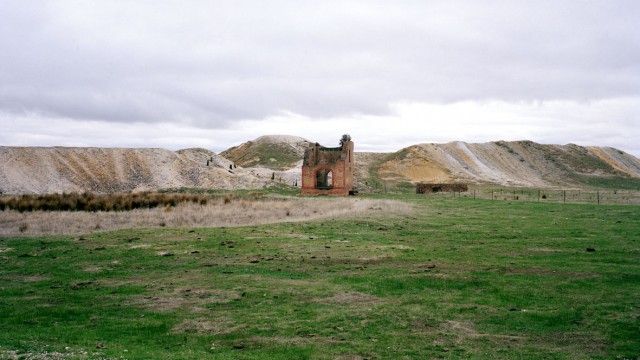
<point x="626" y="183"/>
<point x="458" y="278"/>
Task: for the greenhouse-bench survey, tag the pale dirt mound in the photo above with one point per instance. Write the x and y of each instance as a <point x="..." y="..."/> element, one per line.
<point x="277" y="159"/>
<point x="282" y="139"/>
<point x="365" y="164"/>
<point x="517" y="163"/>
<point x="105" y="170"/>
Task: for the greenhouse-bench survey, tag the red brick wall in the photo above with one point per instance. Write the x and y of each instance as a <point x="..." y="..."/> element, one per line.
<point x="342" y="170"/>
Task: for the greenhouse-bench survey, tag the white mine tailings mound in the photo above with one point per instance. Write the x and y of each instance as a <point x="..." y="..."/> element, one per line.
<point x="514" y="163"/>
<point x="277" y="159"/>
<point x="103" y="170"/>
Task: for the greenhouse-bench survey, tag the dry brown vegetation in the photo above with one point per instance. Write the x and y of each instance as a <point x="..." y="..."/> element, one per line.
<point x="97" y="202"/>
<point x="227" y="211"/>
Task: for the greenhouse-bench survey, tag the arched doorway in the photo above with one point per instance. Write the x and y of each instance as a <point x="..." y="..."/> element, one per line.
<point x="324" y="179"/>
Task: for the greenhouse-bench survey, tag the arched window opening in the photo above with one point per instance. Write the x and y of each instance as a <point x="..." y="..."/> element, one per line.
<point x="324" y="179"/>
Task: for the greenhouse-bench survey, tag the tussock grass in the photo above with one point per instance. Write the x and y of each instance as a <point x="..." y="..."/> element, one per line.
<point x="97" y="202"/>
<point x="224" y="211"/>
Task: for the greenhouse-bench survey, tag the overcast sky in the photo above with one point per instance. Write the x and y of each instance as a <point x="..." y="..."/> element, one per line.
<point x="213" y="74"/>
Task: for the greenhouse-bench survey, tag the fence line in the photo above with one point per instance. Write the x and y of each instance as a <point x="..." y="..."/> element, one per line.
<point x="602" y="197"/>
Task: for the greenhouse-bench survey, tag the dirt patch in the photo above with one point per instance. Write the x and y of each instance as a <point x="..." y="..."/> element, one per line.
<point x="350" y="298"/>
<point x="140" y="246"/>
<point x="545" y="250"/>
<point x="439" y="276"/>
<point x="373" y="259"/>
<point x="350" y="357"/>
<point x="6" y="249"/>
<point x="395" y="247"/>
<point x="47" y="355"/>
<point x="32" y="278"/>
<point x="281" y="340"/>
<point x="208" y="326"/>
<point x="466" y="329"/>
<point x="192" y="299"/>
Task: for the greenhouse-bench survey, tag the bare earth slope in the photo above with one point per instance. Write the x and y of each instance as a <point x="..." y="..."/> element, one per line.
<point x="61" y="169"/>
<point x="279" y="159"/>
<point x="516" y="163"/>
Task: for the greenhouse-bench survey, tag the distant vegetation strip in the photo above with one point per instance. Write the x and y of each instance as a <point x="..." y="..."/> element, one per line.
<point x="97" y="202"/>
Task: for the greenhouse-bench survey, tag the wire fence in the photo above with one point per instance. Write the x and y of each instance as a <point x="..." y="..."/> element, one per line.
<point x="601" y="197"/>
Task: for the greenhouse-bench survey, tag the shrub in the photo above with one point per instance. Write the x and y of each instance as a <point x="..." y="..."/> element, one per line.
<point x="98" y="202"/>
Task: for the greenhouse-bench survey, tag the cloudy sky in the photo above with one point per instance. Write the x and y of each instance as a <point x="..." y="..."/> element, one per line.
<point x="213" y="74"/>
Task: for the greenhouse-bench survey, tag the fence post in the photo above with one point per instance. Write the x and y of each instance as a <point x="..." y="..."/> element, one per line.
<point x="598" y="195"/>
<point x="538" y="195"/>
<point x="564" y="196"/>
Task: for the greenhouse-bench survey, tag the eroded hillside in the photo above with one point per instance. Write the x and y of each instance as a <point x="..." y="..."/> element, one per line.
<point x="517" y="163"/>
<point x="62" y="169"/>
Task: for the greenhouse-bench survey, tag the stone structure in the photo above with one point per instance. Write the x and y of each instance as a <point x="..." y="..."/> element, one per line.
<point x="328" y="170"/>
<point x="422" y="188"/>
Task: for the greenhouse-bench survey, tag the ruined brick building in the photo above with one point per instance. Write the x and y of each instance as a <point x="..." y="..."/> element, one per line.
<point x="328" y="170"/>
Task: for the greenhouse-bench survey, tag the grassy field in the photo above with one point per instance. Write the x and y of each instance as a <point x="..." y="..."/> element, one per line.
<point x="455" y="278"/>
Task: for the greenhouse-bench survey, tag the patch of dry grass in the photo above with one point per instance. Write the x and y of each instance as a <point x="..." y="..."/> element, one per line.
<point x="96" y="202"/>
<point x="224" y="213"/>
<point x="351" y="298"/>
<point x="209" y="326"/>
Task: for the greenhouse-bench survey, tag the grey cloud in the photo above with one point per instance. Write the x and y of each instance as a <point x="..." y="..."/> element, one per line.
<point x="209" y="63"/>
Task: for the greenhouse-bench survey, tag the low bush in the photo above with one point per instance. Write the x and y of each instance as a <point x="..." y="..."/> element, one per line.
<point x="97" y="202"/>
